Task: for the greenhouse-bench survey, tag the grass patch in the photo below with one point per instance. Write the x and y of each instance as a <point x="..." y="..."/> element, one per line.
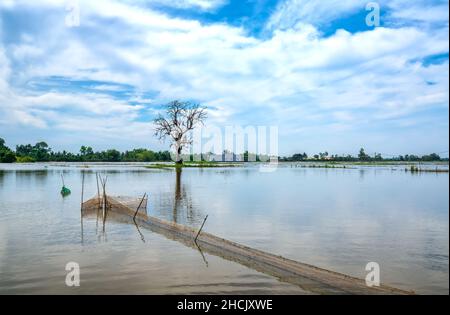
<point x="325" y="166"/>
<point x="25" y="159"/>
<point x="201" y="164"/>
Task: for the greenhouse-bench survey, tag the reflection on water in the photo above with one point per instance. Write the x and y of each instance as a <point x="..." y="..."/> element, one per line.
<point x="338" y="219"/>
<point x="179" y="194"/>
<point x="177" y="204"/>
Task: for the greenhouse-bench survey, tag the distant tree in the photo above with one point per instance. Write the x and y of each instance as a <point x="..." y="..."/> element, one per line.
<point x="298" y="157"/>
<point x="6" y="155"/>
<point x="24" y="150"/>
<point x="163" y="156"/>
<point x="83" y="150"/>
<point x="89" y="151"/>
<point x="146" y="156"/>
<point x="362" y="156"/>
<point x="431" y="157"/>
<point x="180" y="118"/>
<point x="112" y="155"/>
<point x="86" y="153"/>
<point x="323" y="155"/>
<point x="41" y="151"/>
<point x="140" y="155"/>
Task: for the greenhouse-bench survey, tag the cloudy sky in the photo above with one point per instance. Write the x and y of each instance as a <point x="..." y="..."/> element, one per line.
<point x="314" y="68"/>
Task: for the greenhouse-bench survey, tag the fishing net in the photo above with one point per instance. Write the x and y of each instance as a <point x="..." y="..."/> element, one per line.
<point x="129" y="206"/>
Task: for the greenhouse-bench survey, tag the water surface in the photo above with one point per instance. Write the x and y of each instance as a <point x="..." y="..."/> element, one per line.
<point x="339" y="219"/>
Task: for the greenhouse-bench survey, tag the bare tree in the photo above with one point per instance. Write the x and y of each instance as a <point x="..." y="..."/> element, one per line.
<point x="180" y="119"/>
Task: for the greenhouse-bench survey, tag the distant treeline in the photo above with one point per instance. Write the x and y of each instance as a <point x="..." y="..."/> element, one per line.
<point x="362" y="157"/>
<point x="40" y="152"/>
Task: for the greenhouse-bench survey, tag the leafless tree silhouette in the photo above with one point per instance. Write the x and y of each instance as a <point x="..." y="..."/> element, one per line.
<point x="180" y="118"/>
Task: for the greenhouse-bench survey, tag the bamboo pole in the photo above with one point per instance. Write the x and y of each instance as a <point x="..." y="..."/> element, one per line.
<point x="104" y="201"/>
<point x="201" y="253"/>
<point x="137" y="210"/>
<point x="81" y="208"/>
<point x="82" y="189"/>
<point x="98" y="201"/>
<point x="98" y="190"/>
<point x="195" y="240"/>
<point x="104" y="193"/>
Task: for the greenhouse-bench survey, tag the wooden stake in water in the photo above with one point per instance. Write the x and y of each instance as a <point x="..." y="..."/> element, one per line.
<point x="98" y="190"/>
<point x="81" y="212"/>
<point x="104" y="200"/>
<point x="198" y="233"/>
<point x="137" y="210"/>
<point x="82" y="190"/>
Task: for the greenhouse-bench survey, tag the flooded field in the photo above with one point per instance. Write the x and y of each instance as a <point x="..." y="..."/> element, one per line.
<point x="335" y="218"/>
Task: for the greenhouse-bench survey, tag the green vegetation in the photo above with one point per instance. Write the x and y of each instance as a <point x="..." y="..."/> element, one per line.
<point x="25" y="159"/>
<point x="41" y="152"/>
<point x="6" y="155"/>
<point x="326" y="165"/>
<point x="362" y="158"/>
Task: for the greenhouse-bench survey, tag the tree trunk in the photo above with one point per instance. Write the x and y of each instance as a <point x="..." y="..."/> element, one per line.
<point x="178" y="159"/>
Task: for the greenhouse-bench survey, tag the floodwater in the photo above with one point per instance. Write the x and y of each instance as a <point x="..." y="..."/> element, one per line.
<point x="338" y="219"/>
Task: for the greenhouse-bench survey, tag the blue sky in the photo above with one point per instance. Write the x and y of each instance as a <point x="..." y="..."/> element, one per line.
<point x="314" y="68"/>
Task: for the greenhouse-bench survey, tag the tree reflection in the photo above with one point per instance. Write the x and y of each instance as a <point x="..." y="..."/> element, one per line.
<point x="178" y="194"/>
<point x="183" y="201"/>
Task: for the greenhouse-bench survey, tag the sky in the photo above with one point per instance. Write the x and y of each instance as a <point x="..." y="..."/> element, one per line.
<point x="96" y="73"/>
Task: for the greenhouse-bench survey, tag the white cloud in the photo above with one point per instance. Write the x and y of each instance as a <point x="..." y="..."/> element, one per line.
<point x="296" y="78"/>
<point x="291" y="12"/>
<point x="424" y="11"/>
<point x="316" y="12"/>
<point x="205" y="5"/>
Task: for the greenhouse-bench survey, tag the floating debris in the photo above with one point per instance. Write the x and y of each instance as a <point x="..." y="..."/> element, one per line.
<point x="64" y="190"/>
